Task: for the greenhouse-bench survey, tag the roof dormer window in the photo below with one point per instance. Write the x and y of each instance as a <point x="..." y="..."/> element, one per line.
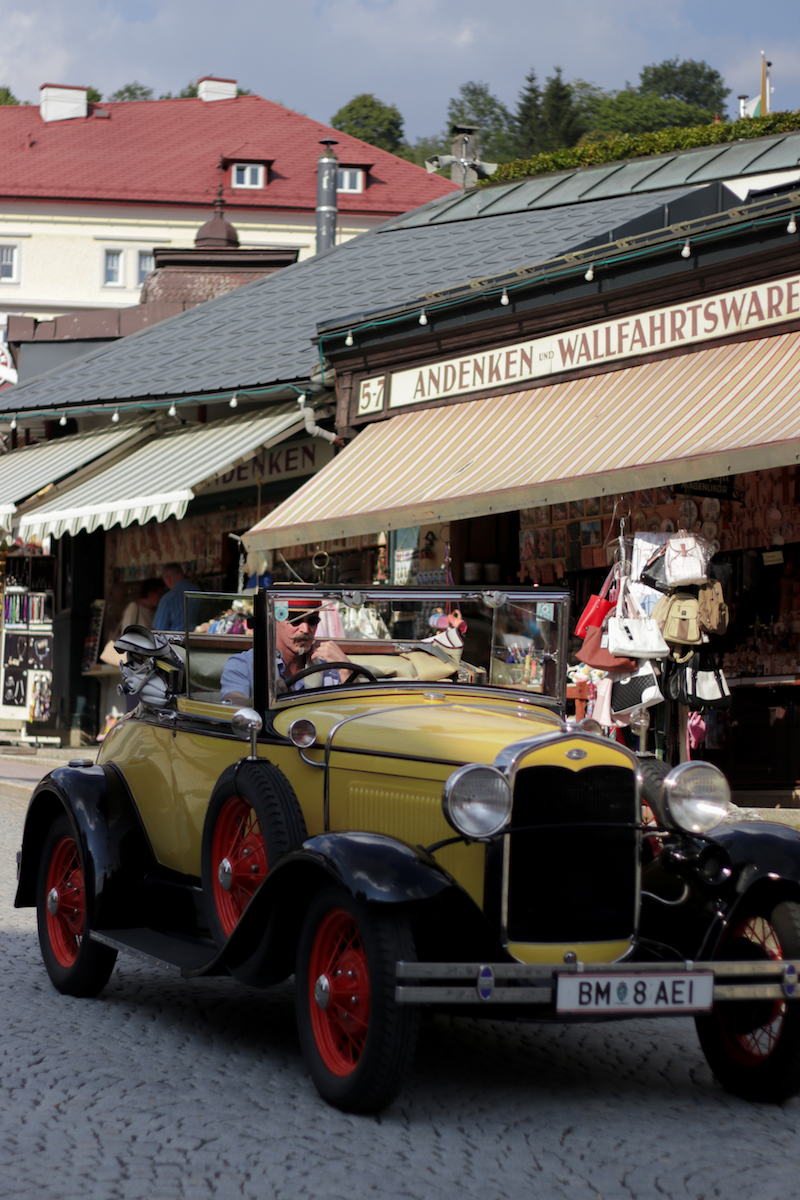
<point x="247" y="175"/>
<point x="351" y="179"/>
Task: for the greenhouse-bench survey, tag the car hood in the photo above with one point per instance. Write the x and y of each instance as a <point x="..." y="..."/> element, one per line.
<point x="423" y="725"/>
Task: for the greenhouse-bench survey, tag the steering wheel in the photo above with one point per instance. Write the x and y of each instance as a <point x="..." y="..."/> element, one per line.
<point x="316" y="668"/>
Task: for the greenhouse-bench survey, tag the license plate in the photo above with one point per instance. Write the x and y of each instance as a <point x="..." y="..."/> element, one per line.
<point x="651" y="993"/>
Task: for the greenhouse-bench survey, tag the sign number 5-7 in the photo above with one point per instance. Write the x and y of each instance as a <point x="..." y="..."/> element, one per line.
<point x="370" y="395"/>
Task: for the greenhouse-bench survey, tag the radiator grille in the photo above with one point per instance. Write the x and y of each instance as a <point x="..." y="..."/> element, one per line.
<point x="569" y="880"/>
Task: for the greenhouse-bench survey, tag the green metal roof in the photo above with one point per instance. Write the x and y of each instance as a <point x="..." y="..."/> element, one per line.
<point x="684" y="168"/>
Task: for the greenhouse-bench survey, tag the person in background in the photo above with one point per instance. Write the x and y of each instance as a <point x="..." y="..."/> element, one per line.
<point x="142" y="611"/>
<point x="169" y="614"/>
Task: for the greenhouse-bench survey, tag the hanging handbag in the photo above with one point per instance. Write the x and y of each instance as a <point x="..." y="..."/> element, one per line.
<point x="698" y="682"/>
<point x="634" y="636"/>
<point x="638" y="690"/>
<point x="712" y="611"/>
<point x="686" y="559"/>
<point x="654" y="571"/>
<point x="595" y="653"/>
<point x="678" y="618"/>
<point x="596" y="607"/>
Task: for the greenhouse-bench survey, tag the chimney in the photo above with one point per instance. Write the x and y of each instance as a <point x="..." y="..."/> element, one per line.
<point x="60" y="102"/>
<point x="216" y="89"/>
<point x="466" y="145"/>
<point x="327" y="187"/>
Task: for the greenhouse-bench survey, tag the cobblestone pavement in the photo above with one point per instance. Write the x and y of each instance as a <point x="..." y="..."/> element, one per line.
<point x="162" y="1088"/>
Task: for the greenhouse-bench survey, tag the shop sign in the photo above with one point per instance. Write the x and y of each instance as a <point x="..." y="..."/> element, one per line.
<point x="658" y="329"/>
<point x="286" y="461"/>
<point x="720" y="486"/>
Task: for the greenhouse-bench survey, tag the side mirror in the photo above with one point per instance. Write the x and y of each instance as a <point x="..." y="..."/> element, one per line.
<point x="246" y="723"/>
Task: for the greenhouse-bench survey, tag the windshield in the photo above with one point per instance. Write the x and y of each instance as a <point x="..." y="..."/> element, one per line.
<point x="514" y="639"/>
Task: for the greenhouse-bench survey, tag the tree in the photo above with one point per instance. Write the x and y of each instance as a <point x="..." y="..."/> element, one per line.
<point x="372" y="121"/>
<point x="7" y="96"/>
<point x="562" y="124"/>
<point x="425" y="147"/>
<point x="475" y="105"/>
<point x="133" y="91"/>
<point x="93" y="96"/>
<point x="693" y="82"/>
<point x="528" y="119"/>
<point x="629" y="111"/>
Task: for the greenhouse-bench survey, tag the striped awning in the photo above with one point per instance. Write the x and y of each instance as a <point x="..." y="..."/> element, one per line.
<point x="705" y="413"/>
<point x="26" y="471"/>
<point x="157" y="479"/>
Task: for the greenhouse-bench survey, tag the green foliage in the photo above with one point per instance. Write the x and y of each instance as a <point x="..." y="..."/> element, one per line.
<point x="561" y="121"/>
<point x="475" y="105"/>
<point x="692" y="82"/>
<point x="630" y="111"/>
<point x="372" y="121"/>
<point x="528" y="118"/>
<point x="133" y="91"/>
<point x="7" y="96"/>
<point x="663" y="141"/>
<point x="422" y="148"/>
<point x="93" y="96"/>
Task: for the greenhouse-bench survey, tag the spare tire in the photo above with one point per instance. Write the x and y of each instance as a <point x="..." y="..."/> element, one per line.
<point x="253" y="820"/>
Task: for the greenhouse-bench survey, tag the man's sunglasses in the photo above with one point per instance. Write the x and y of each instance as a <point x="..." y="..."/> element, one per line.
<point x="311" y="619"/>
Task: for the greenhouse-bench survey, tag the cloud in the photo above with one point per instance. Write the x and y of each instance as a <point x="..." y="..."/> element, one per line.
<point x="314" y="55"/>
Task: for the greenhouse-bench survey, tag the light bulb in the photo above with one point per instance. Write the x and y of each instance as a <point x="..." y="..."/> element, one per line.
<point x="686" y="252"/>
<point x="233" y="403"/>
<point x="589" y="276"/>
<point x="14" y="422"/>
<point x="115" y="416"/>
<point x="792" y="226"/>
<point x="63" y="420"/>
<point x="348" y="341"/>
<point x="423" y="320"/>
<point x="172" y="410"/>
<point x="504" y="298"/>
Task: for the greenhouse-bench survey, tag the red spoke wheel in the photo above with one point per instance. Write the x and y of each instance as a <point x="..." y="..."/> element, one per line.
<point x="76" y="965"/>
<point x="239" y="850"/>
<point x="253" y="820"/>
<point x="357" y="1041"/>
<point x="753" y="1046"/>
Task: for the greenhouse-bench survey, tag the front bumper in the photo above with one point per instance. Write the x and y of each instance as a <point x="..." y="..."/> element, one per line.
<point x="536" y="985"/>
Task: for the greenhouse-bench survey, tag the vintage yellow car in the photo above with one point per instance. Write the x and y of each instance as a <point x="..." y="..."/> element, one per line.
<point x="412" y="823"/>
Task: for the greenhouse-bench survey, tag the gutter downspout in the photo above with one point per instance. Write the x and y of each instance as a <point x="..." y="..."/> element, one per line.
<point x="309" y="418"/>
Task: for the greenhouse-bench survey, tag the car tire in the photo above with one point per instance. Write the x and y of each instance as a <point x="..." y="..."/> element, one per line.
<point x="358" y="1063"/>
<point x="253" y="819"/>
<point x="77" y="966"/>
<point x="753" y="1047"/>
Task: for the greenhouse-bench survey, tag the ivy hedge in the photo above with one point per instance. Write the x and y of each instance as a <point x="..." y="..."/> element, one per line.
<point x="641" y="145"/>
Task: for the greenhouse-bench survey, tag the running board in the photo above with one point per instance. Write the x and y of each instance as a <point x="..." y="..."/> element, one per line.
<point x="171" y="951"/>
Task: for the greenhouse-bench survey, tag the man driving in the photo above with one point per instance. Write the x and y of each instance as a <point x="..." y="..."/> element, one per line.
<point x="296" y="649"/>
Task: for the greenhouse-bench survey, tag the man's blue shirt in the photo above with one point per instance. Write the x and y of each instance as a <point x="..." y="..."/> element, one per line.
<point x="169" y="614"/>
<point x="237" y="675"/>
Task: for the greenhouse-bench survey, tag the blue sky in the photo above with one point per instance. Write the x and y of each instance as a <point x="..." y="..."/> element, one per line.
<point x="315" y="55"/>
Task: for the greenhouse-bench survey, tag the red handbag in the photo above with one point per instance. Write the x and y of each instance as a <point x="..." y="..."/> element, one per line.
<point x="596" y="608"/>
<point x="594" y="654"/>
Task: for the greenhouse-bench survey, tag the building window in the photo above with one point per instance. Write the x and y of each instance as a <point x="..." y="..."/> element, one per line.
<point x="350" y="180"/>
<point x="146" y="264"/>
<point x="246" y="175"/>
<point x="113" y="273"/>
<point x="9" y="264"/>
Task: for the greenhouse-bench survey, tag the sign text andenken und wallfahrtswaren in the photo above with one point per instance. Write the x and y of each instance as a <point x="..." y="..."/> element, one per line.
<point x="643" y="333"/>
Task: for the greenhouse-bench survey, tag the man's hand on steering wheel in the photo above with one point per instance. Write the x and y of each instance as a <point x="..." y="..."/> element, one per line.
<point x="352" y="669"/>
<point x="329" y="652"/>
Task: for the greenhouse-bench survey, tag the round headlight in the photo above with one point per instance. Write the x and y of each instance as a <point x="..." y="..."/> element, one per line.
<point x="697" y="796"/>
<point x="477" y="801"/>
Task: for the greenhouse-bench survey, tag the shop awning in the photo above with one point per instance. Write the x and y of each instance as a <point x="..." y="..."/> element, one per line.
<point x="26" y="471"/>
<point x="156" y="480"/>
<point x="702" y="414"/>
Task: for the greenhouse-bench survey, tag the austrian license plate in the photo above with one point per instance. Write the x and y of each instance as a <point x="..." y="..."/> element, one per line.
<point x="652" y="993"/>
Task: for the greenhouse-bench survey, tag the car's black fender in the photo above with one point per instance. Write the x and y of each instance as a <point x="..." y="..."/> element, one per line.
<point x="371" y="867"/>
<point x="114" y="847"/>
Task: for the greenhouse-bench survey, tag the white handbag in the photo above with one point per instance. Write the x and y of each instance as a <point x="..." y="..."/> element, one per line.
<point x="686" y="559"/>
<point x="630" y="692"/>
<point x="630" y="633"/>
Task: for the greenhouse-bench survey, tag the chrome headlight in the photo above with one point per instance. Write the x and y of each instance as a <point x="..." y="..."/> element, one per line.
<point x="697" y="797"/>
<point x="477" y="800"/>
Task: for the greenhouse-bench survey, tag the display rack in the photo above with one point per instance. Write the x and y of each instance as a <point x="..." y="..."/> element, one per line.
<point x="26" y="657"/>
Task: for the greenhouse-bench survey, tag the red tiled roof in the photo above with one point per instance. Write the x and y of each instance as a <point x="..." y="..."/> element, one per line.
<point x="167" y="152"/>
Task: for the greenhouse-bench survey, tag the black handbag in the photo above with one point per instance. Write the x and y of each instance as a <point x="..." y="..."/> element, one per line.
<point x="653" y="572"/>
<point x="639" y="690"/>
<point x="699" y="682"/>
